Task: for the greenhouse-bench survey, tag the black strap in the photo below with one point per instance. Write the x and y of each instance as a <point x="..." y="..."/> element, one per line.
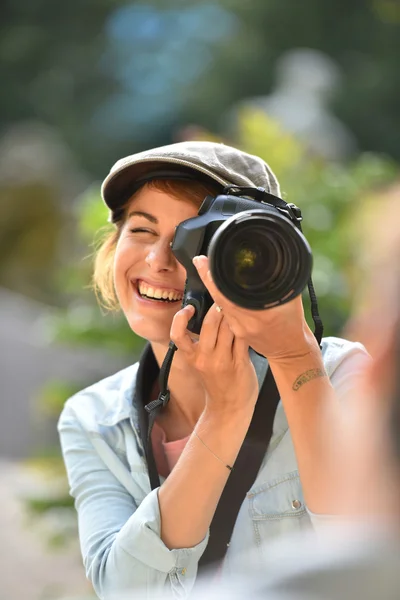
<point x="318" y="325"/>
<point x="146" y="377"/>
<point x="246" y="466"/>
<point x="244" y="473"/>
<point x="154" y="407"/>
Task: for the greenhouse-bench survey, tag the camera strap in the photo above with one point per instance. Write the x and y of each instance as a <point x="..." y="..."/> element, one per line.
<point x="249" y="459"/>
<point x="246" y="467"/>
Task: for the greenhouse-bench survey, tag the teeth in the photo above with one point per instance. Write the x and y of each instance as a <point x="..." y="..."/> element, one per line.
<point x="158" y="293"/>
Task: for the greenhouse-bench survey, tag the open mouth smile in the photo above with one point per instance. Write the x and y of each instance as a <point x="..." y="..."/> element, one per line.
<point x="164" y="295"/>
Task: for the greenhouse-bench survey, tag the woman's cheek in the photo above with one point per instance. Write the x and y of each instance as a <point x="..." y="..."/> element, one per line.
<point x="122" y="264"/>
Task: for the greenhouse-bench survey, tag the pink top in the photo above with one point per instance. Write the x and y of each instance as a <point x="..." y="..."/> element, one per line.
<point x="166" y="454"/>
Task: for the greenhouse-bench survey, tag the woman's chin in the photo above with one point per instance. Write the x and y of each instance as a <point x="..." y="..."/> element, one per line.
<point x="151" y="332"/>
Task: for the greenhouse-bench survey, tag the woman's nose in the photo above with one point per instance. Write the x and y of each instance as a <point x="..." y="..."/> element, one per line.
<point x="160" y="257"/>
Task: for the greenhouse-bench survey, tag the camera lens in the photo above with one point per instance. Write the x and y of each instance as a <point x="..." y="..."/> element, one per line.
<point x="259" y="259"/>
<point x="251" y="261"/>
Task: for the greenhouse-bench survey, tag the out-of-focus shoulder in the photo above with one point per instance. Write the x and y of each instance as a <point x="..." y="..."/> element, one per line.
<point x="105" y="402"/>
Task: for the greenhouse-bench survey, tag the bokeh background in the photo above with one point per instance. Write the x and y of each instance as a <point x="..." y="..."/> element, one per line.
<point x="313" y="87"/>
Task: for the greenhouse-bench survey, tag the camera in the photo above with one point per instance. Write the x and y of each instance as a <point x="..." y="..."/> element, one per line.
<point x="258" y="256"/>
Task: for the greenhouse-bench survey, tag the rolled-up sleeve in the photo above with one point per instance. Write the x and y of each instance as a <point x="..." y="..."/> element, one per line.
<point x="120" y="535"/>
<point x="345" y="377"/>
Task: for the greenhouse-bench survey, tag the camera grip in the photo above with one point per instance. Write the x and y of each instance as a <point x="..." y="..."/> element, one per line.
<point x="202" y="302"/>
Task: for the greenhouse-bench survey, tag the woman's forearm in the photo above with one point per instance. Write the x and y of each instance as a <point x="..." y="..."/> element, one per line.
<point x="189" y="496"/>
<point x="308" y="397"/>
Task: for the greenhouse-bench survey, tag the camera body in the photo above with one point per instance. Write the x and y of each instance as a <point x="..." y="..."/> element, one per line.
<point x="258" y="256"/>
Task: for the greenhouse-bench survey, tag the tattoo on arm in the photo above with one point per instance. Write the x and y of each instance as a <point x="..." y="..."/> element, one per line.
<point x="307" y="376"/>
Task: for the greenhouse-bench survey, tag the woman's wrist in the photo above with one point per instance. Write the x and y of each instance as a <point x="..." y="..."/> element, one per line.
<point x="301" y="348"/>
<point x="308" y="364"/>
<point x="230" y="415"/>
<point x="223" y="432"/>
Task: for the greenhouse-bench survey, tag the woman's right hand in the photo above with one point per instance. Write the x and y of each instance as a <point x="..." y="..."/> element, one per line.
<point x="190" y="494"/>
<point x="221" y="359"/>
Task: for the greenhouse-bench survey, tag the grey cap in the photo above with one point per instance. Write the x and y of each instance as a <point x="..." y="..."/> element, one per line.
<point x="222" y="164"/>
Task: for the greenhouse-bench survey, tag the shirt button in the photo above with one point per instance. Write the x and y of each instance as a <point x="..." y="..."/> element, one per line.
<point x="183" y="572"/>
<point x="296" y="504"/>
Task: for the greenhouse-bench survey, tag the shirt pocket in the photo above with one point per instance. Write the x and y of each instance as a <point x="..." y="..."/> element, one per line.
<point x="277" y="507"/>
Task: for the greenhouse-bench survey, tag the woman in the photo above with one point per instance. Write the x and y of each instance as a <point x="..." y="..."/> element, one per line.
<point x="132" y="536"/>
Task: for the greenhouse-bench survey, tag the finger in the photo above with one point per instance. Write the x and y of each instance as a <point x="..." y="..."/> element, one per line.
<point x="224" y="344"/>
<point x="240" y="349"/>
<point x="235" y="325"/>
<point x="202" y="266"/>
<point x="179" y="333"/>
<point x="210" y="329"/>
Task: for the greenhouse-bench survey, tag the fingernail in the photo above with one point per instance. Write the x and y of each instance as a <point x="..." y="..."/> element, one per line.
<point x="197" y="260"/>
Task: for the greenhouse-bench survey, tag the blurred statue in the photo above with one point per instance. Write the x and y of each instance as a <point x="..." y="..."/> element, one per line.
<point x="305" y="82"/>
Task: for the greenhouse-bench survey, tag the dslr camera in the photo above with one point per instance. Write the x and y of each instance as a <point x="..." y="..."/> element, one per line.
<point x="258" y="256"/>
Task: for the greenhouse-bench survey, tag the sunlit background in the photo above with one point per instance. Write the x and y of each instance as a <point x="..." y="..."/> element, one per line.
<point x="313" y="87"/>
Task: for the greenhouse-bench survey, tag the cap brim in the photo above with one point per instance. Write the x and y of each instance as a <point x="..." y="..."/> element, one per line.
<point x="119" y="185"/>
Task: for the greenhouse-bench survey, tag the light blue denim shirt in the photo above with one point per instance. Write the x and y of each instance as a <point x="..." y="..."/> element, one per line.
<point x="118" y="514"/>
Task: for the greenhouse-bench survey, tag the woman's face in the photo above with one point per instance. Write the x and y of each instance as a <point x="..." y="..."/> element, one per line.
<point x="148" y="279"/>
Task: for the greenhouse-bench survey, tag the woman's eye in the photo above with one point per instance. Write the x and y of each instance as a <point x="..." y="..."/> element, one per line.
<point x="140" y="230"/>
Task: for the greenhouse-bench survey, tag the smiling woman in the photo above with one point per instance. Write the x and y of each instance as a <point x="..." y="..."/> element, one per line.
<point x="135" y="534"/>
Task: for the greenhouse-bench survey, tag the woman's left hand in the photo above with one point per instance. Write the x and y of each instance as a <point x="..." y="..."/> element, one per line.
<point x="279" y="333"/>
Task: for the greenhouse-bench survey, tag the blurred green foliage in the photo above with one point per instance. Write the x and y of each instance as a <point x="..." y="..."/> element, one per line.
<point x="39" y="506"/>
<point x="52" y="397"/>
<point x="48" y="506"/>
<point x="30" y="221"/>
<point x="51" y="68"/>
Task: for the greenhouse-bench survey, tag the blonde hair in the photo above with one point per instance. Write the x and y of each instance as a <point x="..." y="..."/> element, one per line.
<point x="103" y="277"/>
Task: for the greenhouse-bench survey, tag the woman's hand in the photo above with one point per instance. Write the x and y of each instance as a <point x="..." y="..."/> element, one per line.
<point x="280" y="333"/>
<point x="221" y="359"/>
